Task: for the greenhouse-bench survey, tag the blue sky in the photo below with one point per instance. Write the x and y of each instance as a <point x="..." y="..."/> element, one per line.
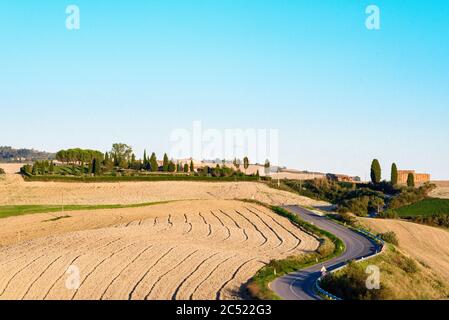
<point x="339" y="93"/>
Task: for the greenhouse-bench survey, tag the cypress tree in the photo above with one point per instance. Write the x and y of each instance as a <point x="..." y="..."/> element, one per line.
<point x="236" y="163"/>
<point x="96" y="168"/>
<point x="376" y="171"/>
<point x="411" y="180"/>
<point x="267" y="167"/>
<point x="192" y="167"/>
<point x="90" y="168"/>
<point x="171" y="167"/>
<point x="145" y="160"/>
<point x="267" y="164"/>
<point x="165" y="163"/>
<point x="153" y="163"/>
<point x="245" y="163"/>
<point x="108" y="161"/>
<point x="186" y="168"/>
<point x="216" y="172"/>
<point x="394" y="174"/>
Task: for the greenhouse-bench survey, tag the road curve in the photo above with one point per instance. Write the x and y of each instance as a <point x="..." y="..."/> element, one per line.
<point x="300" y="285"/>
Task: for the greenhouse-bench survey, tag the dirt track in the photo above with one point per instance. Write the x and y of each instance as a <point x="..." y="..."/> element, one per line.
<point x="181" y="250"/>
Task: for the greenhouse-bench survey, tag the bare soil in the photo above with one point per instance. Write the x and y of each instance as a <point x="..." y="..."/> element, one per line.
<point x="205" y="249"/>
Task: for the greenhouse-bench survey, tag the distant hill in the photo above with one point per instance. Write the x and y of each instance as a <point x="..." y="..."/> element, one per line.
<point x="9" y="154"/>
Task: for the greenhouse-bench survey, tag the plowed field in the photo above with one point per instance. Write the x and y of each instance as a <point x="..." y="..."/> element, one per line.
<point x="183" y="250"/>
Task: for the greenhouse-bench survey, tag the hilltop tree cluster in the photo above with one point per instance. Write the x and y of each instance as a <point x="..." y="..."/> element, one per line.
<point x="122" y="160"/>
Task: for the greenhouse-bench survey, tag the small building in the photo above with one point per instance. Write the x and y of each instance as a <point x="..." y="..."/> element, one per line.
<point x="341" y="178"/>
<point x="420" y="178"/>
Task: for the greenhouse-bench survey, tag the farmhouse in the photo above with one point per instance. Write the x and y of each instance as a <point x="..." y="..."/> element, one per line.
<point x="419" y="177"/>
<point x="341" y="178"/>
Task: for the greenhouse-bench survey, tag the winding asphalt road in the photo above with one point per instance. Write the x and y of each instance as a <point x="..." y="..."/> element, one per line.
<point x="300" y="285"/>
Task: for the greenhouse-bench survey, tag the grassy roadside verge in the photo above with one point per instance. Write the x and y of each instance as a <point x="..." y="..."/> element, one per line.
<point x="93" y="179"/>
<point x="330" y="247"/>
<point x="18" y="210"/>
<point x="402" y="278"/>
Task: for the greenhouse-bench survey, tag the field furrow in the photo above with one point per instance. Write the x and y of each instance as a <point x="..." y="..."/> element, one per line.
<point x="192" y="250"/>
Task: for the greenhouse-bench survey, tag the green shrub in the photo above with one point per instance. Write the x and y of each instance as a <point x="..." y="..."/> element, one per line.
<point x="351" y="285"/>
<point x="436" y="220"/>
<point x="405" y="263"/>
<point x="389" y="237"/>
<point x="410" y="265"/>
<point x="347" y="218"/>
<point x="376" y="204"/>
<point x="410" y="196"/>
<point x="357" y="206"/>
<point x="26" y="170"/>
<point x="320" y="189"/>
<point x="388" y="214"/>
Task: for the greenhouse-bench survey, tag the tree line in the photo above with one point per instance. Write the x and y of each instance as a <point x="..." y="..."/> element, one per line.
<point x="79" y="161"/>
<point x="9" y="154"/>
